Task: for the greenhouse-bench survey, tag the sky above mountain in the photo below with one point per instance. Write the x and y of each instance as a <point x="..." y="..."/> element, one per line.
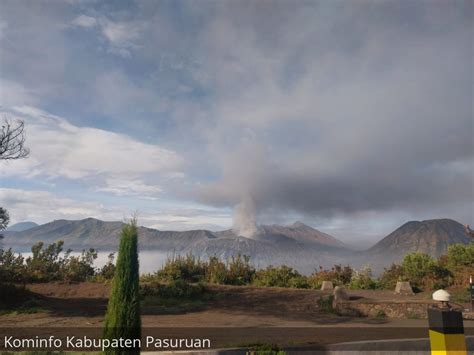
<point x="351" y="116"/>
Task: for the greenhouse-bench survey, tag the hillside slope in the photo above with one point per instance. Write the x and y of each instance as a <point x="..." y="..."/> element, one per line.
<point x="430" y="236"/>
<point x="297" y="245"/>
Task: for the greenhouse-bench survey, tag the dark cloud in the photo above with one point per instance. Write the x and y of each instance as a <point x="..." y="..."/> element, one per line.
<point x="320" y="108"/>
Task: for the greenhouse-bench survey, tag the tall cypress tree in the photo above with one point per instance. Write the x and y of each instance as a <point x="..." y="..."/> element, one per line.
<point x="123" y="311"/>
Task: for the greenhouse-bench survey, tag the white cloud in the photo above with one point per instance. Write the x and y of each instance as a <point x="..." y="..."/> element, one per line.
<point x="12" y="93"/>
<point x="43" y="206"/>
<point x="84" y="21"/>
<point x="119" y="33"/>
<point x="130" y="187"/>
<point x="60" y="149"/>
<point x="122" y="36"/>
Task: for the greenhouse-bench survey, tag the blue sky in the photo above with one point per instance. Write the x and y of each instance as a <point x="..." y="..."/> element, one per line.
<point x="351" y="116"/>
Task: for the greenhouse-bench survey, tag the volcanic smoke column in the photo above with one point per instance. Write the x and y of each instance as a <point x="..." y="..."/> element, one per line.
<point x="245" y="220"/>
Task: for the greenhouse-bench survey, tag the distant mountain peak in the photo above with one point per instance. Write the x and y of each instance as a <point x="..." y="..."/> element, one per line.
<point x="299" y="224"/>
<point x="22" y="226"/>
<point x="431" y="236"/>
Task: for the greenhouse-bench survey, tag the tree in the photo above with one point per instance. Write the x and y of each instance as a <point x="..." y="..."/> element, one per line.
<point x="417" y="265"/>
<point x="425" y="272"/>
<point x="12" y="141"/>
<point x="460" y="255"/>
<point x="4" y="219"/>
<point x="12" y="146"/>
<point x="123" y="311"/>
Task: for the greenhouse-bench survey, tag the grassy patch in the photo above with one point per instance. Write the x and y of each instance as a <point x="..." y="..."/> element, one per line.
<point x="460" y="296"/>
<point x="173" y="297"/>
<point x="28" y="307"/>
<point x="325" y="303"/>
<point x="265" y="349"/>
<point x="17" y="300"/>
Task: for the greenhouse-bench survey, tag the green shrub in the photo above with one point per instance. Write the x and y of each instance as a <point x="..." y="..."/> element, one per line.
<point x="460" y="256"/>
<point x="239" y="270"/>
<point x="265" y="349"/>
<point x="338" y="275"/>
<point x="325" y="303"/>
<point x="46" y="264"/>
<point x="179" y="267"/>
<point x="79" y="268"/>
<point x="12" y="268"/>
<point x="424" y="272"/>
<point x="176" y="289"/>
<point x="417" y="265"/>
<point x="362" y="280"/>
<point x="282" y="276"/>
<point x="216" y="271"/>
<point x="107" y="271"/>
<point x="389" y="278"/>
<point x="461" y="296"/>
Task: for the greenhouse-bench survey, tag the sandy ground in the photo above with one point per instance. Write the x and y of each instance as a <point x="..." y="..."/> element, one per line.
<point x="237" y="316"/>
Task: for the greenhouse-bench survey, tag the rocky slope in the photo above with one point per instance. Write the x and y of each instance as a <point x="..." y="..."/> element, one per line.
<point x="430" y="236"/>
<point x="22" y="226"/>
<point x="297" y="245"/>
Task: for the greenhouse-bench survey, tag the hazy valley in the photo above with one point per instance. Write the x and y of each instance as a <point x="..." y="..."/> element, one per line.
<point x="297" y="245"/>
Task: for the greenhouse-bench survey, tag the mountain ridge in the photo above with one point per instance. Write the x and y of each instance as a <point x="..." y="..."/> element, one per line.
<point x="22" y="226"/>
<point x="431" y="236"/>
<point x="297" y="245"/>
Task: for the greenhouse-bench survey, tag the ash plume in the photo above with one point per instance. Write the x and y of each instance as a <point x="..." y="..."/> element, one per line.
<point x="245" y="221"/>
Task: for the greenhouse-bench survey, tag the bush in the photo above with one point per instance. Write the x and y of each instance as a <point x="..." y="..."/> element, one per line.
<point x="424" y="272"/>
<point x="216" y="271"/>
<point x="362" y="280"/>
<point x="389" y="278"/>
<point x="178" y="267"/>
<point x="325" y="303"/>
<point x="265" y="349"/>
<point x="460" y="256"/>
<point x="239" y="270"/>
<point x="12" y="268"/>
<point x="79" y="268"/>
<point x="45" y="264"/>
<point x="107" y="271"/>
<point x="282" y="276"/>
<point x="177" y="289"/>
<point x="338" y="275"/>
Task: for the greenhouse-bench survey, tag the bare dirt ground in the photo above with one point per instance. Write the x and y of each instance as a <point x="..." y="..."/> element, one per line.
<point x="236" y="316"/>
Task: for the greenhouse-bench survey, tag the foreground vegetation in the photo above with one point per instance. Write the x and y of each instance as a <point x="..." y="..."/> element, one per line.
<point x="49" y="263"/>
<point x="421" y="270"/>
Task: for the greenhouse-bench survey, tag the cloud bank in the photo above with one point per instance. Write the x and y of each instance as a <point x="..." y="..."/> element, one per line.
<point x="323" y="110"/>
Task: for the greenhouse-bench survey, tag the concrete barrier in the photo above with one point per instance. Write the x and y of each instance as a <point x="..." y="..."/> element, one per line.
<point x="403" y="288"/>
<point x="327" y="286"/>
